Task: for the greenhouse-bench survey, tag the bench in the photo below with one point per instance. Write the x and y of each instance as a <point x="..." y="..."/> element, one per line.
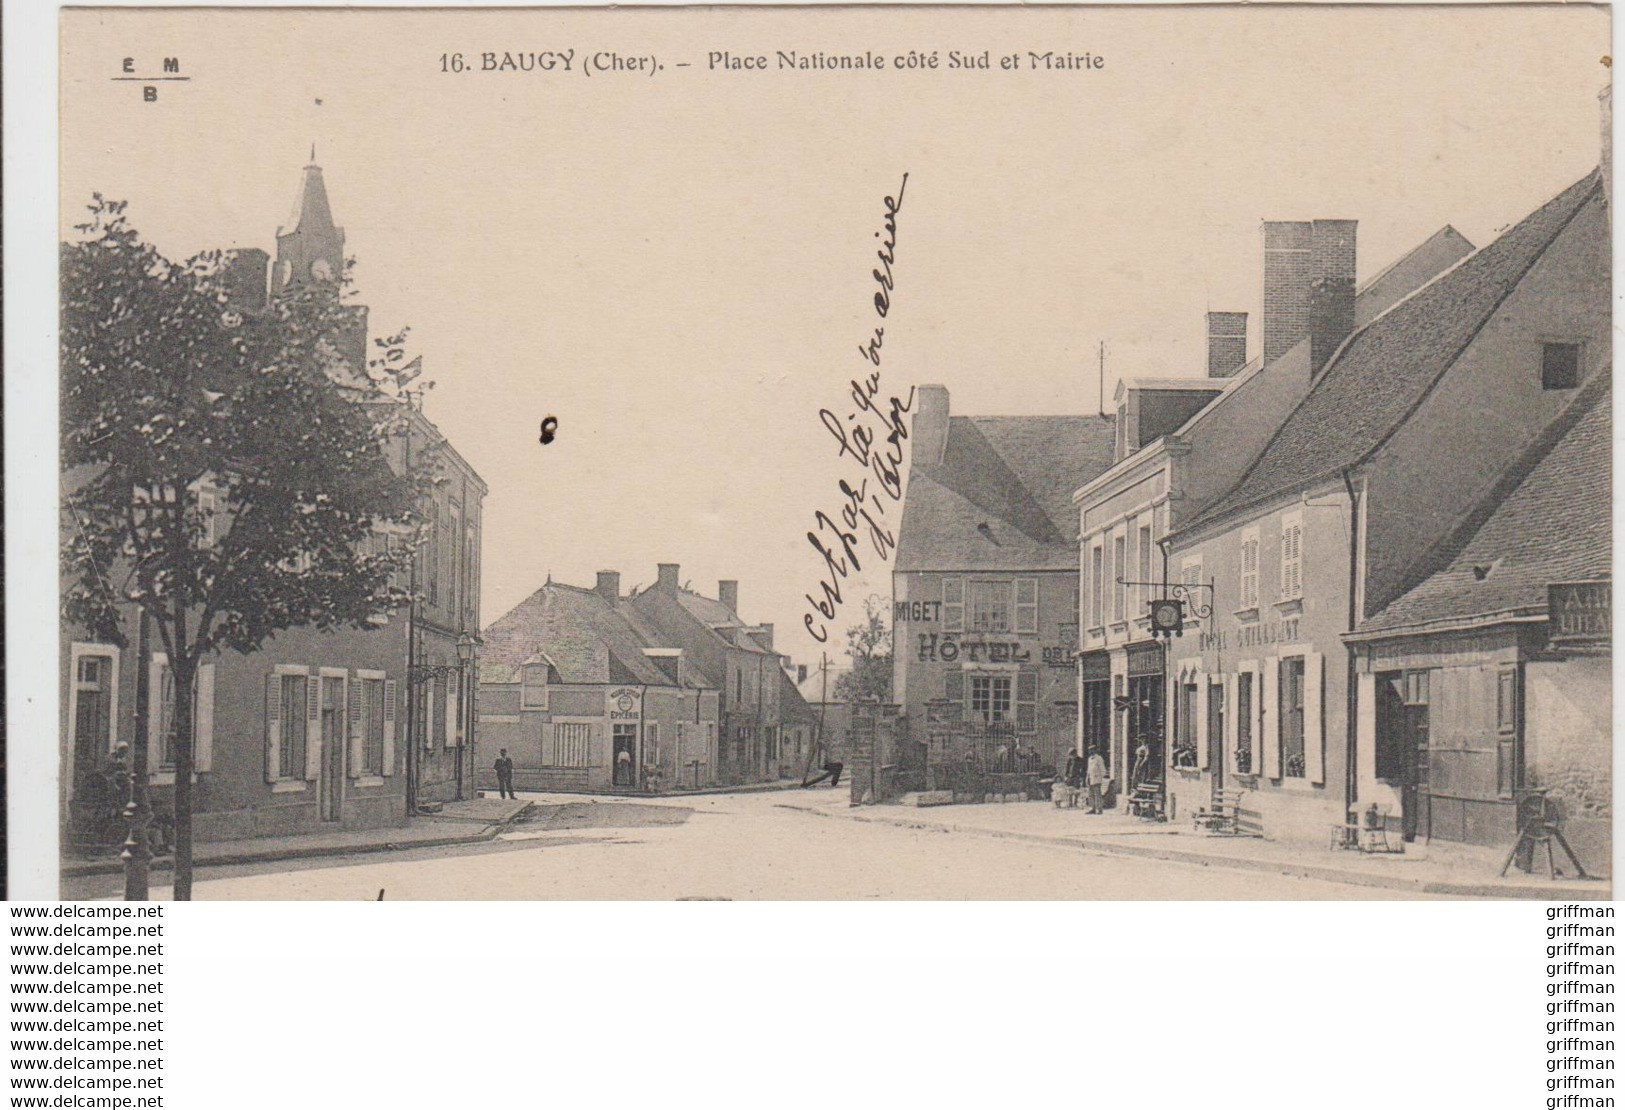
<point x="1222" y="814"/>
<point x="1146" y="800"/>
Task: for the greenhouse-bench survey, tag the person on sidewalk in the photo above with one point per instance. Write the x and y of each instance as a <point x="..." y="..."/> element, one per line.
<point x="504" y="767"/>
<point x="1095" y="773"/>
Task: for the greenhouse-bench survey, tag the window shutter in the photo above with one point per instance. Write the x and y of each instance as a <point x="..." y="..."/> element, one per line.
<point x="428" y="715"/>
<point x="1269" y="738"/>
<point x="954" y="690"/>
<point x="1026" y="700"/>
<point x="273" y="724"/>
<point x="390" y="694"/>
<point x="1314" y="732"/>
<point x="156" y="667"/>
<point x="1027" y="605"/>
<point x="1231" y="702"/>
<point x="358" y="729"/>
<point x="953" y="604"/>
<point x="313" y="725"/>
<point x="1203" y="740"/>
<point x="203" y="719"/>
<point x="454" y="720"/>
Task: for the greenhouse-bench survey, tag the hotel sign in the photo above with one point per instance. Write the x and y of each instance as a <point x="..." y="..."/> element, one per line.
<point x="1580" y="613"/>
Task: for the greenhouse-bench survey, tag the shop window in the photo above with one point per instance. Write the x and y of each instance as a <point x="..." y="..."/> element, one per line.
<point x="568" y="745"/>
<point x="1292" y="757"/>
<point x="1559" y="365"/>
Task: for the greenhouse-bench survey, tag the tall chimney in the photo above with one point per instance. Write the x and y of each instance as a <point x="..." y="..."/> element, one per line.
<point x="1287" y="278"/>
<point x="930" y="424"/>
<point x="1331" y="296"/>
<point x="728" y="594"/>
<point x="1226" y="343"/>
<point x="801" y="673"/>
<point x="767" y="634"/>
<point x="609" y="586"/>
<point x="666" y="577"/>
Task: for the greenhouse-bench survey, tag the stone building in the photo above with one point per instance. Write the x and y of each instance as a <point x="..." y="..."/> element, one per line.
<point x="1409" y="426"/>
<point x="985" y="584"/>
<point x="583" y="696"/>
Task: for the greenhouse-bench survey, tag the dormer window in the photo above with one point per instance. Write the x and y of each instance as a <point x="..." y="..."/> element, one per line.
<point x="1559" y="365"/>
<point x="533" y="686"/>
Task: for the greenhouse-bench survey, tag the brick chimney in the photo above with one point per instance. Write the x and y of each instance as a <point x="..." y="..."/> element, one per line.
<point x="801" y="673"/>
<point x="767" y="634"/>
<point x="1287" y="279"/>
<point x="1331" y="296"/>
<point x="1226" y="343"/>
<point x="666" y="577"/>
<point x="609" y="586"/>
<point x="728" y="594"/>
<point x="930" y="432"/>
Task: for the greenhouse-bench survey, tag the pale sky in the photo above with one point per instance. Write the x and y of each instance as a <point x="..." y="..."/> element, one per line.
<point x="677" y="265"/>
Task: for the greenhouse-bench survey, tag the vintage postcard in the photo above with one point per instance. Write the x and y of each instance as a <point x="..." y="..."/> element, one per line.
<point x="836" y="453"/>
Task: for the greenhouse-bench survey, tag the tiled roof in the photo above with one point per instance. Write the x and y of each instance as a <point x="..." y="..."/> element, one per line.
<point x="1549" y="521"/>
<point x="587" y="639"/>
<point x="1002" y="496"/>
<point x="720" y="619"/>
<point x="1385" y="369"/>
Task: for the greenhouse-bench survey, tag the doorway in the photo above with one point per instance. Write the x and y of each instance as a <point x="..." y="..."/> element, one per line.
<point x="1403" y="756"/>
<point x="625" y="756"/>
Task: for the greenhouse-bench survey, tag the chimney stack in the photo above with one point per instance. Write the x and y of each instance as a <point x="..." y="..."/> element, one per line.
<point x="1287" y="280"/>
<point x="767" y="634"/>
<point x="930" y="424"/>
<point x="1331" y="297"/>
<point x="1226" y="343"/>
<point x="728" y="594"/>
<point x="801" y="673"/>
<point x="666" y="577"/>
<point x="609" y="586"/>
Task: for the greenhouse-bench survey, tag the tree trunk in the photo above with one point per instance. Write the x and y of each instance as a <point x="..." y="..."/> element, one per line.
<point x="185" y="682"/>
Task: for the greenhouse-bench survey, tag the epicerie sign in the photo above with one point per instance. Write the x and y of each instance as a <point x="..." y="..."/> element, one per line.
<point x="625" y="704"/>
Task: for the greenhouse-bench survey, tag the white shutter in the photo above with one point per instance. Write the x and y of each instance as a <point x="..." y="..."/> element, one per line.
<point x="358" y="730"/>
<point x="1027" y="605"/>
<point x="390" y="695"/>
<point x="273" y="725"/>
<point x="428" y="715"/>
<point x="454" y="707"/>
<point x="953" y="604"/>
<point x="1314" y="734"/>
<point x="1203" y="740"/>
<point x="1269" y="731"/>
<point x="155" y="710"/>
<point x="203" y="720"/>
<point x="313" y="725"/>
<point x="1231" y="720"/>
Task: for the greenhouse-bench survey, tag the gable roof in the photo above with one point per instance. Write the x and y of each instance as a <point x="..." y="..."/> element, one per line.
<point x="587" y="640"/>
<point x="1385" y="370"/>
<point x="1001" y="498"/>
<point x="720" y="619"/>
<point x="1550" y="520"/>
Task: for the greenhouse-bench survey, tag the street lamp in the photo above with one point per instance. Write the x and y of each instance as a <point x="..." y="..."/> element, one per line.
<point x="419" y="673"/>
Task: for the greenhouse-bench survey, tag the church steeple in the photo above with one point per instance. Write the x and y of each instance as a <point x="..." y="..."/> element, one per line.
<point x="310" y="248"/>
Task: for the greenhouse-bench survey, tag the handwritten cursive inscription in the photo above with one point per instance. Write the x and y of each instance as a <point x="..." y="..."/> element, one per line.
<point x="870" y="439"/>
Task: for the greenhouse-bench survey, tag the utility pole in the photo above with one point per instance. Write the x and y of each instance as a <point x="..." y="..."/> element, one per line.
<point x="1101" y="380"/>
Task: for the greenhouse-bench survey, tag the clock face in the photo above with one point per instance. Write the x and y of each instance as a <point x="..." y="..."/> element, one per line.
<point x="1165" y="614"/>
<point x="321" y="270"/>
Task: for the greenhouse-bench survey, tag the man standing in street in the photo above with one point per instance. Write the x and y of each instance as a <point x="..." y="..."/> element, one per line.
<point x="504" y="767"/>
<point x="1096" y="774"/>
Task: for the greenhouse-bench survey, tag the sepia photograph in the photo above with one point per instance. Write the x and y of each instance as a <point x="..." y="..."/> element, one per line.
<point x="1042" y="453"/>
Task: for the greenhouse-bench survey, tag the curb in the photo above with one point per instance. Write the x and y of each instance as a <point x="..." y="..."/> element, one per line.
<point x="167" y="863"/>
<point x="1238" y="863"/>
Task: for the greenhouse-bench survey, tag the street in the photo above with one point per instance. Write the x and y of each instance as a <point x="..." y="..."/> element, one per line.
<point x="729" y="846"/>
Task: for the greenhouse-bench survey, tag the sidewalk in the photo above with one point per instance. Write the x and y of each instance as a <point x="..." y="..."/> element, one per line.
<point x="457" y="823"/>
<point x="1438" y="868"/>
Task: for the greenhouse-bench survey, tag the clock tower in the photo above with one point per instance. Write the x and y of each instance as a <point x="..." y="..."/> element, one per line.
<point x="310" y="248"/>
